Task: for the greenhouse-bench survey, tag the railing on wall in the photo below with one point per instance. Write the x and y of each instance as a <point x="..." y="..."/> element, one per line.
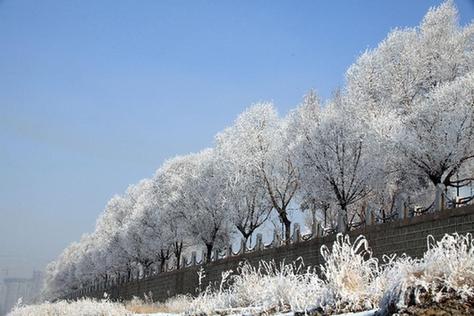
<point x="317" y="231"/>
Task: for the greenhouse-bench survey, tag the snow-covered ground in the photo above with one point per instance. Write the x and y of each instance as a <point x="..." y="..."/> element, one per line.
<point x="351" y="281"/>
<point x="85" y="307"/>
<point x="366" y="313"/>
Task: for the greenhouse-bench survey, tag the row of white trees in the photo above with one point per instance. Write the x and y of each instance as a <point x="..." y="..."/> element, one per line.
<point x="402" y="126"/>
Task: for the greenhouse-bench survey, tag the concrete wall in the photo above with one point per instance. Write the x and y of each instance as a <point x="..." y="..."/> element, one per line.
<point x="402" y="236"/>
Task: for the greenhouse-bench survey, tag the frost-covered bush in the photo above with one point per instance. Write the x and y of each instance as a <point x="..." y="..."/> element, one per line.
<point x="210" y="300"/>
<point x="351" y="275"/>
<point x="266" y="287"/>
<point x="279" y="286"/>
<point x="349" y="282"/>
<point x="84" y="307"/>
<point x="445" y="271"/>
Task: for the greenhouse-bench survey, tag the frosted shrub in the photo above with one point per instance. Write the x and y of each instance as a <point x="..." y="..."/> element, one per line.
<point x="350" y="283"/>
<point x="351" y="275"/>
<point x="446" y="270"/>
<point x="350" y="280"/>
<point x="287" y="286"/>
<point x="262" y="288"/>
<point x="449" y="264"/>
<point x="84" y="307"/>
<point x="209" y="300"/>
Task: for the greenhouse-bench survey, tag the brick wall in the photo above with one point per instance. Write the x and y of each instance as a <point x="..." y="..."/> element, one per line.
<point x="401" y="236"/>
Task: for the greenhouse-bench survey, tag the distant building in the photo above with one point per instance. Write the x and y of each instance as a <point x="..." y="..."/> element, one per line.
<point x="12" y="289"/>
<point x="2" y="296"/>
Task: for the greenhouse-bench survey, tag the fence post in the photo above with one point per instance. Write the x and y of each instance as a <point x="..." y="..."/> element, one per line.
<point x="296" y="233"/>
<point x="439" y="199"/>
<point x="314" y="229"/>
<point x="341" y="225"/>
<point x="406" y="203"/>
<point x="229" y="251"/>
<point x="259" y="245"/>
<point x="203" y="257"/>
<point x="243" y="246"/>
<point x="276" y="242"/>
<point x="400" y="206"/>
<point x="319" y="230"/>
<point x="216" y="254"/>
<point x="193" y="258"/>
<point x="369" y="215"/>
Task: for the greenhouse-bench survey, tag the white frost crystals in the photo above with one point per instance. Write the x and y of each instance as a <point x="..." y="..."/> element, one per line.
<point x="351" y="275"/>
<point x="351" y="280"/>
<point x="445" y="271"/>
<point x="78" y="308"/>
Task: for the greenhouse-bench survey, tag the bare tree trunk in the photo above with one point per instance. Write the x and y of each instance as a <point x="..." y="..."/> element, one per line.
<point x="342" y="224"/>
<point x="209" y="248"/>
<point x="287" y="223"/>
<point x="178" y="248"/>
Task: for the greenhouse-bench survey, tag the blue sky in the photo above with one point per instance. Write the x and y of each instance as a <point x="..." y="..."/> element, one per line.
<point x="95" y="95"/>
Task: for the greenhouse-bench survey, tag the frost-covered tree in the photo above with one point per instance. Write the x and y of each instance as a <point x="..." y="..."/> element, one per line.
<point x="337" y="157"/>
<point x="108" y="230"/>
<point x="197" y="198"/>
<point x="312" y="196"/>
<point x="169" y="179"/>
<point x="131" y="241"/>
<point x="144" y="231"/>
<point x="260" y="142"/>
<point x="176" y="236"/>
<point x="61" y="277"/>
<point x="438" y="135"/>
<point x="415" y="90"/>
<point x="89" y="265"/>
<point x="246" y="199"/>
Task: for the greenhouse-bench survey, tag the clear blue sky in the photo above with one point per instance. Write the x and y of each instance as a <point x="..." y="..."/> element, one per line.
<point x="94" y="95"/>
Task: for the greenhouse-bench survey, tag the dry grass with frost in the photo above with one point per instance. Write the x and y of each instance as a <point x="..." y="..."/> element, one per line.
<point x="446" y="271"/>
<point x="83" y="307"/>
<point x="350" y="280"/>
